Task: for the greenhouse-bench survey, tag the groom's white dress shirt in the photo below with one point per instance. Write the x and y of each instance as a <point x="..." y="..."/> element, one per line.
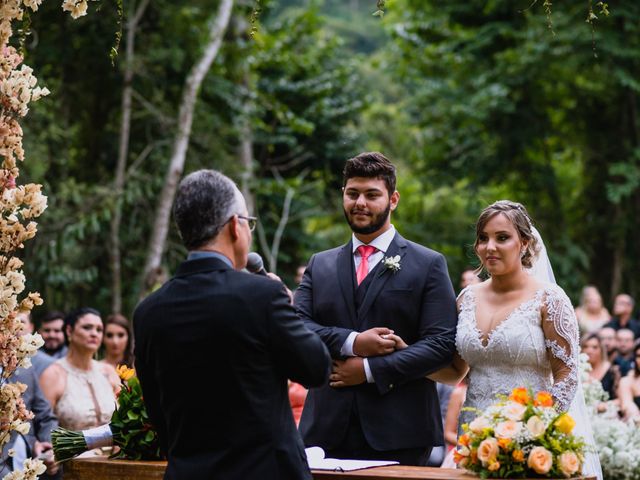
<point x="381" y="242"/>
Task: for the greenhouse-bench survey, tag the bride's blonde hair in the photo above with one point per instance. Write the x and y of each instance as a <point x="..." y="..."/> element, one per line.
<point x="520" y="219"/>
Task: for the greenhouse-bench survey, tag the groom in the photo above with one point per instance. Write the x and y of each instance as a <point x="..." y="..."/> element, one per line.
<point x="359" y="298"/>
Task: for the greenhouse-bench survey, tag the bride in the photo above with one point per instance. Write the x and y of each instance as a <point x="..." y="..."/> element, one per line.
<point x="518" y="328"/>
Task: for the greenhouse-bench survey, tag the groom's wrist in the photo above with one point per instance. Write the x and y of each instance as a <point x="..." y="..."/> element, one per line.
<point x="347" y="347"/>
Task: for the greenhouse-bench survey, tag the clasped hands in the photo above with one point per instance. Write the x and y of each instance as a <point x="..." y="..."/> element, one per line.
<point x="370" y="343"/>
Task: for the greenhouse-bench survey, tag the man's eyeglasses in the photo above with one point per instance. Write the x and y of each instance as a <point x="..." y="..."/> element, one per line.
<point x="251" y="221"/>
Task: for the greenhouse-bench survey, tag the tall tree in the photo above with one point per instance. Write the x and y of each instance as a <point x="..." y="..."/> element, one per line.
<point x="135" y="14"/>
<point x="218" y="26"/>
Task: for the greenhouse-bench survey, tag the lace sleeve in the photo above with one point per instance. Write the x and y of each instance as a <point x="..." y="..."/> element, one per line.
<point x="561" y="339"/>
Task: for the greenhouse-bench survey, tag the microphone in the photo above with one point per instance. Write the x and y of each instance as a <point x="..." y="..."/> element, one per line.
<point x="255" y="264"/>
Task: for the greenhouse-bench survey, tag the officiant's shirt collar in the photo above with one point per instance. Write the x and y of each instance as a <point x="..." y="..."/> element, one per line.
<point x="381" y="242"/>
<point x="196" y="254"/>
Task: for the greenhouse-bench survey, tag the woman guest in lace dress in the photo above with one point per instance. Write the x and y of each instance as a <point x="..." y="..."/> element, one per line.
<point x="514" y="329"/>
<point x="118" y="341"/>
<point x="82" y="391"/>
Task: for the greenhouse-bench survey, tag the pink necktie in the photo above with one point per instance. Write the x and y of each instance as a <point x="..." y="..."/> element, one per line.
<point x="365" y="252"/>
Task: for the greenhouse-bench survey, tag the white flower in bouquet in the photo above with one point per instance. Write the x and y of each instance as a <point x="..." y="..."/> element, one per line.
<point x="536" y="426"/>
<point x="508" y="429"/>
<point x="513" y="411"/>
<point x="479" y="424"/>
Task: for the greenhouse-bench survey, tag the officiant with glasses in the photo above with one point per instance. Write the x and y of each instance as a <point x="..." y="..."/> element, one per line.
<point x="240" y="324"/>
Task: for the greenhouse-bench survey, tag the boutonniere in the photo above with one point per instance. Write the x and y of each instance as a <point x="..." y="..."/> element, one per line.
<point x="392" y="263"/>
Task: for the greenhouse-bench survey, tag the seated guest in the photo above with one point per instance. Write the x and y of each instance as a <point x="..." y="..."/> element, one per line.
<point x="51" y="331"/>
<point x="608" y="337"/>
<point x="38" y="440"/>
<point x="623" y="315"/>
<point x="297" y="396"/>
<point x="451" y="427"/>
<point x="591" y="313"/>
<point x="629" y="389"/>
<point x="438" y="453"/>
<point x="117" y="341"/>
<point x="601" y="368"/>
<point x="40" y="361"/>
<point x="624" y="359"/>
<point x="299" y="274"/>
<point x="81" y="390"/>
<point x="469" y="277"/>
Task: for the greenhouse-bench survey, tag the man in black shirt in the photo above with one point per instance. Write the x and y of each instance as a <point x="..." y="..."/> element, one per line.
<point x="624" y="359"/>
<point x="623" y="315"/>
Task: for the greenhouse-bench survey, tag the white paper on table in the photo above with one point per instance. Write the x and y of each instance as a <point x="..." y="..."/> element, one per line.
<point x="317" y="461"/>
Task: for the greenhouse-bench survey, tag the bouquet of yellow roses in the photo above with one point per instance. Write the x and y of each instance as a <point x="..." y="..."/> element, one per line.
<point x="129" y="429"/>
<point x="521" y="436"/>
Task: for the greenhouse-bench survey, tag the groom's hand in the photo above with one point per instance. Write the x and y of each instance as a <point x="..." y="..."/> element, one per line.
<point x="346" y="373"/>
<point x="373" y="342"/>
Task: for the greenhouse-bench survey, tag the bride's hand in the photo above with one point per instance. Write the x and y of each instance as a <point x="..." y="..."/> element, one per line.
<point x="451" y="374"/>
<point x="400" y="344"/>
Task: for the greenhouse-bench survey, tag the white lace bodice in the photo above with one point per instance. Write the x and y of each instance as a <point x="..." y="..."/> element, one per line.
<point x="522" y="351"/>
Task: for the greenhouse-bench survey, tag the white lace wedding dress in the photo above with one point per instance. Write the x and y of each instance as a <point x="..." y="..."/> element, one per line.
<point x="525" y="351"/>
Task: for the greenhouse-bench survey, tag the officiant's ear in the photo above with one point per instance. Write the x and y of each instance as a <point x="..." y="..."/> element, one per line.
<point x="393" y="200"/>
<point x="234" y="227"/>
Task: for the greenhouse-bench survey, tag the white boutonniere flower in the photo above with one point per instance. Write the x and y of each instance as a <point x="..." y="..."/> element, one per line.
<point x="392" y="263"/>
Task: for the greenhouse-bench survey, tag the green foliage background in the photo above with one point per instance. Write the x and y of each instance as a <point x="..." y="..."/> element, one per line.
<point x="475" y="101"/>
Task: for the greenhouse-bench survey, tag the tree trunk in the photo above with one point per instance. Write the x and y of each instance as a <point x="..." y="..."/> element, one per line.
<point x="123" y="153"/>
<point x="245" y="149"/>
<point x="282" y="224"/>
<point x="618" y="254"/>
<point x="181" y="143"/>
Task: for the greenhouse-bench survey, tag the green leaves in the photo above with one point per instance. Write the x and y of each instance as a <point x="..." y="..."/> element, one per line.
<point x="131" y="430"/>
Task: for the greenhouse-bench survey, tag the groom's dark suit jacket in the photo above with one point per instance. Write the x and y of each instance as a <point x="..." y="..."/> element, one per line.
<point x="400" y="410"/>
<point x="214" y="350"/>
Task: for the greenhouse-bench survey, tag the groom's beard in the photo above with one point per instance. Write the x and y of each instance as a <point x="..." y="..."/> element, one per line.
<point x="377" y="221"/>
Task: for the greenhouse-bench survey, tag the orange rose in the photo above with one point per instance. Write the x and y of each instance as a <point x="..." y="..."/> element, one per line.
<point x="520" y="395"/>
<point x="543" y="399"/>
<point x="518" y="455"/>
<point x="493" y="466"/>
<point x="488" y="450"/>
<point x="568" y="463"/>
<point x="464" y="440"/>
<point x="540" y="460"/>
<point x="504" y="443"/>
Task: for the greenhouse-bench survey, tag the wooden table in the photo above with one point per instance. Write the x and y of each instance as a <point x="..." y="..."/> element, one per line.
<point x="101" y="468"/>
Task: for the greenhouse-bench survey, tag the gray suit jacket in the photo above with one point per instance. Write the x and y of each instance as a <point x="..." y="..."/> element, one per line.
<point x="44" y="421"/>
